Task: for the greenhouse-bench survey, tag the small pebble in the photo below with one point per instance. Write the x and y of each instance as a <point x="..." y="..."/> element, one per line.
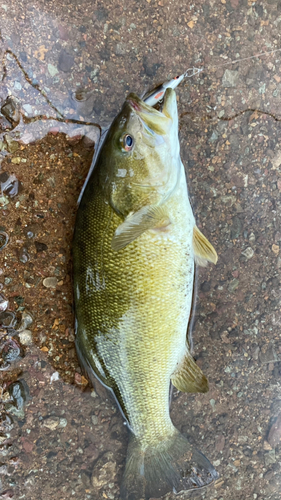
<point x="17" y="85"/>
<point x="3" y="303"/>
<point x="55" y="376"/>
<point x="12" y="144"/>
<point x="4" y="200"/>
<point x="274" y="435"/>
<point x="19" y="392"/>
<point x="51" y="423"/>
<point x="120" y="49"/>
<point x="63" y="423"/>
<point x="40" y="247"/>
<point x="249" y="252"/>
<point x="26" y="320"/>
<point x="25" y="337"/>
<point x="27" y="108"/>
<point x="104" y="471"/>
<point x="233" y="285"/>
<point x="95" y="419"/>
<point x="52" y="69"/>
<point x="66" y="61"/>
<point x="275" y="249"/>
<point x="50" y="282"/>
<point x="10" y="109"/>
<point x="230" y="78"/>
<point x="269" y="458"/>
<point x="266" y="446"/>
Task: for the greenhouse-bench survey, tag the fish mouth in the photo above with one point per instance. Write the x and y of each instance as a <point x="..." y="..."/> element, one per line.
<point x="156" y="121"/>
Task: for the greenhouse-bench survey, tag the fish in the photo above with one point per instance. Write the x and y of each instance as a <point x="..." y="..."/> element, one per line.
<point x="134" y="252"/>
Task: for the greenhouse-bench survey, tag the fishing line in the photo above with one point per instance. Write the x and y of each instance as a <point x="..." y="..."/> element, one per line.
<point x="195" y="71"/>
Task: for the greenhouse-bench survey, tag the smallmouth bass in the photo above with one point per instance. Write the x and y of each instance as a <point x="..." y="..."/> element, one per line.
<point x="134" y="248"/>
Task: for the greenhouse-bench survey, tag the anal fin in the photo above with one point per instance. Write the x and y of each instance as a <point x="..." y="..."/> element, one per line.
<point x="188" y="377"/>
<point x="204" y="252"/>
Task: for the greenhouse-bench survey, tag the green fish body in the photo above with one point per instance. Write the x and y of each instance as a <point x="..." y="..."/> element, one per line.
<point x="134" y="248"/>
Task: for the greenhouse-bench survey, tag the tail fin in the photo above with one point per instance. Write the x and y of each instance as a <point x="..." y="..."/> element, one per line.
<point x="171" y="465"/>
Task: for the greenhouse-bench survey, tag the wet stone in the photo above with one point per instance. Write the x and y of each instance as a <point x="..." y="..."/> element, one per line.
<point x="26" y="320"/>
<point x="17" y="85"/>
<point x="247" y="451"/>
<point x="248" y="253"/>
<point x="25" y="337"/>
<point x="30" y="231"/>
<point x="10" y="185"/>
<point x="233" y="285"/>
<point x="230" y="78"/>
<point x="104" y="471"/>
<point x="19" y="393"/>
<point x="10" y="109"/>
<point x="3" y="303"/>
<point x="6" y="422"/>
<point x="7" y="494"/>
<point x="40" y="247"/>
<point x="7" y="319"/>
<point x="66" y="61"/>
<point x="4" y="238"/>
<point x="275" y="249"/>
<point x="100" y="14"/>
<point x="50" y="282"/>
<point x="51" y="423"/>
<point x="220" y="442"/>
<point x="150" y="68"/>
<point x="10" y="351"/>
<point x="235" y="229"/>
<point x="52" y="69"/>
<point x="12" y="145"/>
<point x="62" y="423"/>
<point x="4" y="201"/>
<point x="267" y="446"/>
<point x="23" y="255"/>
<point x="274" y="435"/>
<point x="120" y="49"/>
<point x="27" y="108"/>
<point x="19" y="300"/>
<point x="269" y="458"/>
<point x="269" y="355"/>
<point x="5" y="126"/>
<point x="205" y="287"/>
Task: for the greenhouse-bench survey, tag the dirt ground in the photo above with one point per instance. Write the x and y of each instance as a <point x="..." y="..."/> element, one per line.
<point x="66" y="69"/>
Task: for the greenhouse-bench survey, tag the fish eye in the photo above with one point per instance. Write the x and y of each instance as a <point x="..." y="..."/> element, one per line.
<point x="128" y="142"/>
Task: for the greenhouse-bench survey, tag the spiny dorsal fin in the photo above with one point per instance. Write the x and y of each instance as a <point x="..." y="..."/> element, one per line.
<point x="134" y="225"/>
<point x="204" y="252"/>
<point x="188" y="377"/>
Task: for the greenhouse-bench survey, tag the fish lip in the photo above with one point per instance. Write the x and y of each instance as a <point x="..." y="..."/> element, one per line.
<point x="134" y="104"/>
<point x="152" y="119"/>
<point x="140" y="106"/>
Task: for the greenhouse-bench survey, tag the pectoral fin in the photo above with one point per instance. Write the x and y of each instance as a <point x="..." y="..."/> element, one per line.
<point x="150" y="217"/>
<point x="204" y="252"/>
<point x="188" y="377"/>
